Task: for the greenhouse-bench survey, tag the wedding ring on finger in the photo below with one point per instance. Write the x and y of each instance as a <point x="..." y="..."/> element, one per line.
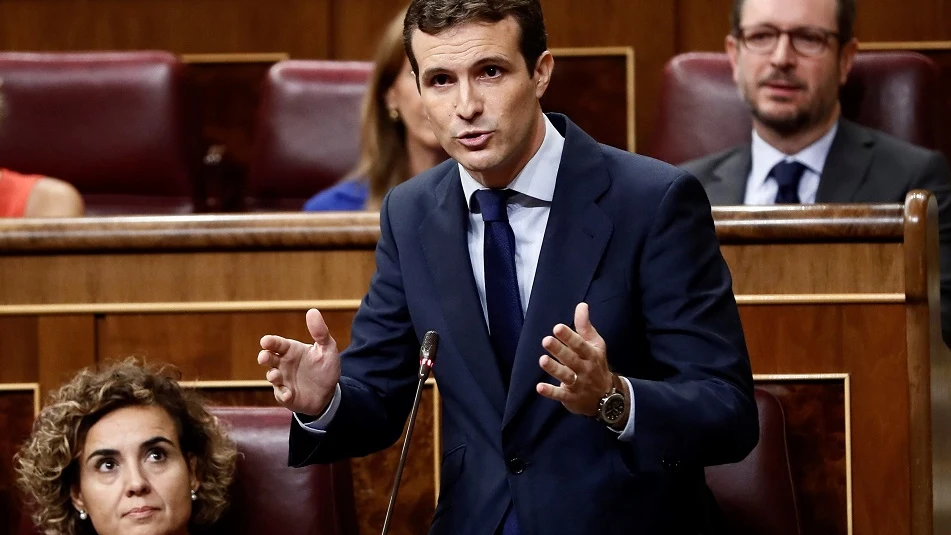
<point x="574" y="379"/>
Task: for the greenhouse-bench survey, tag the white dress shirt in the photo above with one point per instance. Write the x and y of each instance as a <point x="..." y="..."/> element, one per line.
<point x="528" y="212"/>
<point x="761" y="188"/>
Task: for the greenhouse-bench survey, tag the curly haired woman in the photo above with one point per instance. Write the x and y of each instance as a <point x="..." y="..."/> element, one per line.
<point x="125" y="450"/>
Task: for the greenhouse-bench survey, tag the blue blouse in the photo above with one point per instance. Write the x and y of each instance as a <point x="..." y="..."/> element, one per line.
<point x="348" y="195"/>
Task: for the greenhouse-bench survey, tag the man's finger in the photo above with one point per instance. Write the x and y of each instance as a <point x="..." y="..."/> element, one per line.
<point x="583" y="324"/>
<point x="274" y="377"/>
<point x="562" y="353"/>
<point x="559" y="371"/>
<point x="268" y="359"/>
<point x="286" y="395"/>
<point x="573" y="341"/>
<point x="318" y="327"/>
<point x="275" y="344"/>
<point x="552" y="392"/>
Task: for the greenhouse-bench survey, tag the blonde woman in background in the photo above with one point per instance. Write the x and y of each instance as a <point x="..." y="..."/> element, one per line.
<point x="396" y="140"/>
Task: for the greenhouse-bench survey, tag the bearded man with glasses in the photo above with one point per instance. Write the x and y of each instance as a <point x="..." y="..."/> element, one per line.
<point x="789" y="60"/>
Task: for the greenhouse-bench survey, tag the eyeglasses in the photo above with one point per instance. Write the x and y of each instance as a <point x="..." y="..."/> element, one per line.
<point x="806" y="41"/>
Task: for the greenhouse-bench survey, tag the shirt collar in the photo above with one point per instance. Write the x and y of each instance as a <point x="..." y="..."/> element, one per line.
<point x="765" y="156"/>
<point x="537" y="178"/>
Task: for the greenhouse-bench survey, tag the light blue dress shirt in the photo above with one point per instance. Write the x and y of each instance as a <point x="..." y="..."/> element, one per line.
<point x="761" y="188"/>
<point x="528" y="212"/>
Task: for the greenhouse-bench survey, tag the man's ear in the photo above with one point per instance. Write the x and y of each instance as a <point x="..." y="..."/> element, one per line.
<point x="732" y="52"/>
<point x="542" y="74"/>
<point x="847" y="59"/>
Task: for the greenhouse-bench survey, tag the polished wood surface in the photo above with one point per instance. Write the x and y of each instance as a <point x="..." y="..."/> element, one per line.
<point x="839" y="305"/>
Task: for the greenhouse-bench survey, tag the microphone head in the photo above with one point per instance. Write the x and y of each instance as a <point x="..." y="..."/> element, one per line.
<point x="430" y="345"/>
<point x="427" y="353"/>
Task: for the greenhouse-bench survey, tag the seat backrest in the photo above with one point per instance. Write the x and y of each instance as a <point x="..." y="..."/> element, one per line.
<point x="757" y="494"/>
<point x="701" y="111"/>
<point x="270" y="497"/>
<point x="307" y="134"/>
<point x="116" y="125"/>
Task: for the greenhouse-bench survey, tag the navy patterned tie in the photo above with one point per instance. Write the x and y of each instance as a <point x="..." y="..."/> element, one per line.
<point x="502" y="302"/>
<point x="788" y="175"/>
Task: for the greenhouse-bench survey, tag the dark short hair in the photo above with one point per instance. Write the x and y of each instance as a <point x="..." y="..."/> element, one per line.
<point x="434" y="16"/>
<point x="845" y="18"/>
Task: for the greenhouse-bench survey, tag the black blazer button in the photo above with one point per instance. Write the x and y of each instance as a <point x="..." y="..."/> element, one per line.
<point x="515" y="465"/>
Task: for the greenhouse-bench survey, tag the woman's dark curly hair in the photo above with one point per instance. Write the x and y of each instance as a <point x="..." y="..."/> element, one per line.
<point x="47" y="464"/>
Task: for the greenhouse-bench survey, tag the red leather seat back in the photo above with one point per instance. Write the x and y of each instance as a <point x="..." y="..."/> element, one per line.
<point x="114" y="124"/>
<point x="270" y="497"/>
<point x="757" y="494"/>
<point x="307" y="135"/>
<point x="701" y="111"/>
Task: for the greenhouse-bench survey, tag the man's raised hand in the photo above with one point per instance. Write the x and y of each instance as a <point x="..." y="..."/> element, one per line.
<point x="304" y="376"/>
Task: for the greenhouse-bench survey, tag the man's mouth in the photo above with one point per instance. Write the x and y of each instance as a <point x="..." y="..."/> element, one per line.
<point x="474" y="139"/>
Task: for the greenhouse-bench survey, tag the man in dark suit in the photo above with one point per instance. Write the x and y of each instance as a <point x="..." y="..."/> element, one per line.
<point x="534" y="238"/>
<point x="789" y="60"/>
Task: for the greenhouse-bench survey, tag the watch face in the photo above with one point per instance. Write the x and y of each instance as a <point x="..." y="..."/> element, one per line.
<point x="613" y="409"/>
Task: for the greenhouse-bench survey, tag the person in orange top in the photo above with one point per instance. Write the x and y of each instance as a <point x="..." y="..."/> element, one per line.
<point x="37" y="196"/>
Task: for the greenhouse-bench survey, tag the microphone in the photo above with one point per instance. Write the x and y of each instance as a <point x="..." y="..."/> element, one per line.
<point x="427" y="354"/>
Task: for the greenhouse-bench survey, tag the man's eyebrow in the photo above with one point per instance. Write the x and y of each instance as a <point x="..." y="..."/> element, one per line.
<point x="491" y="60"/>
<point x="430" y="72"/>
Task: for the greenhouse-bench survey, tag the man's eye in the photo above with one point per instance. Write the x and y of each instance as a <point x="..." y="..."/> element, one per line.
<point x="812" y="38"/>
<point x="492" y="72"/>
<point x="760" y="37"/>
<point x="440" y="79"/>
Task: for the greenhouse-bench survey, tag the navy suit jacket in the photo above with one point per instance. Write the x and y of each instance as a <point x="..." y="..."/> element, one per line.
<point x="631" y="236"/>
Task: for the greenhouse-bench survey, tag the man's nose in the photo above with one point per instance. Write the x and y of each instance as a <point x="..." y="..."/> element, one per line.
<point x="469" y="105"/>
<point x="783" y="55"/>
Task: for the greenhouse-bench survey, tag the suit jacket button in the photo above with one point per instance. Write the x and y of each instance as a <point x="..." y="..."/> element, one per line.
<point x="515" y="465"/>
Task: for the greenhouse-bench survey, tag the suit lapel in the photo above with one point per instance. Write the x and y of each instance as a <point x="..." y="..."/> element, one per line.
<point x="729" y="178"/>
<point x="575" y="238"/>
<point x="443" y="237"/>
<point x="846" y="165"/>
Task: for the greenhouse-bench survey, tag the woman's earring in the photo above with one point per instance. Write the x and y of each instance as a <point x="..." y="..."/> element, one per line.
<point x="194" y="496"/>
<point x="83" y="515"/>
<point x="394" y="115"/>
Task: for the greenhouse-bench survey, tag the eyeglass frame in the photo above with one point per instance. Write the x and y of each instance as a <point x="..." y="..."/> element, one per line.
<point x="741" y="36"/>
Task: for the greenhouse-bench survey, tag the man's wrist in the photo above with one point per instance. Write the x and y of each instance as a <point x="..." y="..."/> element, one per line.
<point x="621" y="386"/>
